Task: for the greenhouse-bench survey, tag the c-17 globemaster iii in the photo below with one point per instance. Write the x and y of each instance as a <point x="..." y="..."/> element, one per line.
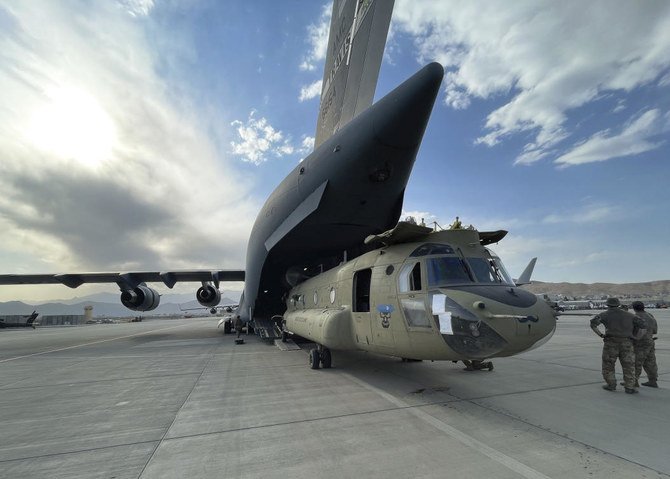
<point x="327" y="258"/>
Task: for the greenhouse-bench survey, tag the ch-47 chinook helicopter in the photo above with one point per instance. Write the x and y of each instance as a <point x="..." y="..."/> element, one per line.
<point x="421" y="294"/>
<point x="318" y="256"/>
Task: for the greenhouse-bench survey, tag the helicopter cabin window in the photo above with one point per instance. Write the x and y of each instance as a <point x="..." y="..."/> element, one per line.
<point x="362" y="290"/>
<point x="447" y="270"/>
<point x="415" y="313"/>
<point x="409" y="278"/>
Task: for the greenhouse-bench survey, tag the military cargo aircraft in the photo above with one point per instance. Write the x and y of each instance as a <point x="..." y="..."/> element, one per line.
<point x="327" y="258"/>
<point x="31" y="321"/>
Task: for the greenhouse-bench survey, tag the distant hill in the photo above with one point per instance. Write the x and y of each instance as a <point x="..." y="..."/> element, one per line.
<point x="656" y="289"/>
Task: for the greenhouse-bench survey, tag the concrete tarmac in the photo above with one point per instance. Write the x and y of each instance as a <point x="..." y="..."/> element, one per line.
<point x="176" y="398"/>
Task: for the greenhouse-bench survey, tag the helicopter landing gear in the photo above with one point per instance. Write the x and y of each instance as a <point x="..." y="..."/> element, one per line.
<point x="475" y="365"/>
<point x="320" y="357"/>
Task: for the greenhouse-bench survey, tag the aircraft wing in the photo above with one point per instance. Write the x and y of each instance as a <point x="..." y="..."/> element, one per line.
<point x="129" y="279"/>
<point x="357" y="38"/>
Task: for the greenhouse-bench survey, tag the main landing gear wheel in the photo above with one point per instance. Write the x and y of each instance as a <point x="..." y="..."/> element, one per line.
<point x="227" y="327"/>
<point x="314" y="358"/>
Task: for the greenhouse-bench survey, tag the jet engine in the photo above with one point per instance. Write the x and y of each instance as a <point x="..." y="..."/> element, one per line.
<point x="208" y="296"/>
<point x="141" y="298"/>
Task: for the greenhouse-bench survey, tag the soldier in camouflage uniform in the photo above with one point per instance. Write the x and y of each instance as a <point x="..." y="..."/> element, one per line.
<point x="645" y="352"/>
<point x="620" y="327"/>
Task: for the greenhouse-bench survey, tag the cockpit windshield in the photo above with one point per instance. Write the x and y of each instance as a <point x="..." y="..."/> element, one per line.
<point x="452" y="268"/>
<point x="447" y="270"/>
<point x="489" y="270"/>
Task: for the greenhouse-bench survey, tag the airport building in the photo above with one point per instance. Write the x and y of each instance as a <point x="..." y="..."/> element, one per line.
<point x="61" y="320"/>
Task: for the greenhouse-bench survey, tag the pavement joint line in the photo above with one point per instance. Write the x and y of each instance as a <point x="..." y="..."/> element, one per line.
<point x="465" y="439"/>
<point x="90" y="343"/>
<point x="100" y="448"/>
<point x="70" y="383"/>
<point x="226" y="431"/>
<point x="563" y="436"/>
<point x="512" y="393"/>
<point x="557" y="364"/>
<point x="174" y="419"/>
<point x="303" y="421"/>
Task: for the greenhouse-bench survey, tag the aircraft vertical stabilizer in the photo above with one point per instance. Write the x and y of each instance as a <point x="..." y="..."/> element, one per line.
<point x="358" y="30"/>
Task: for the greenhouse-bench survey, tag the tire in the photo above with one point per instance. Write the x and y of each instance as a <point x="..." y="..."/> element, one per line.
<point x="227" y="327"/>
<point x="326" y="359"/>
<point x="314" y="358"/>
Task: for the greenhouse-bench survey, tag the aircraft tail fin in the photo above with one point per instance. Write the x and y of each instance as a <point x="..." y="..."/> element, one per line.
<point x="358" y="30"/>
<point x="527" y="273"/>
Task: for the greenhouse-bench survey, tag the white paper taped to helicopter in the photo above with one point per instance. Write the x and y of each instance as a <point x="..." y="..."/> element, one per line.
<point x="445" y="323"/>
<point x="438" y="304"/>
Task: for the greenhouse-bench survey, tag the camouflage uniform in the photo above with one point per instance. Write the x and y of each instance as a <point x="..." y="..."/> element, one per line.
<point x="645" y="352"/>
<point x="619" y="327"/>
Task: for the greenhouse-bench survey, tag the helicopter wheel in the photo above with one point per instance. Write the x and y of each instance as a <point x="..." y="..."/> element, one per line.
<point x="314" y="358"/>
<point x="326" y="358"/>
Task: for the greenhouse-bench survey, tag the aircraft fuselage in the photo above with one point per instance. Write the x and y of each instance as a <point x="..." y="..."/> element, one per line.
<point x="351" y="186"/>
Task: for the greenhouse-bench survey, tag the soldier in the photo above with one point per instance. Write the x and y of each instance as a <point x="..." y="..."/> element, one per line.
<point x="620" y="327"/>
<point x="238" y="325"/>
<point x="645" y="352"/>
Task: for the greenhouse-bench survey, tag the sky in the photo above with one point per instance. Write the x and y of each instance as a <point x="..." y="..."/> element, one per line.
<point x="147" y="134"/>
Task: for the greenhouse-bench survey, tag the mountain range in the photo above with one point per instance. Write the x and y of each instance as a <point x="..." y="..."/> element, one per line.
<point x="109" y="305"/>
<point x="651" y="289"/>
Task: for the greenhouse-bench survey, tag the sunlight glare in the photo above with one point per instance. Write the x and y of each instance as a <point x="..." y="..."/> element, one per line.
<point x="73" y="125"/>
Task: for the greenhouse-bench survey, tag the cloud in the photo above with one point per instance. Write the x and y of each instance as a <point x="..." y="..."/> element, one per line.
<point x="542" y="60"/>
<point x="134" y="179"/>
<point x="317" y="38"/>
<point x="633" y="139"/>
<point x="137" y="8"/>
<point x="310" y="91"/>
<point x="593" y="213"/>
<point x="307" y="144"/>
<point x="259" y="141"/>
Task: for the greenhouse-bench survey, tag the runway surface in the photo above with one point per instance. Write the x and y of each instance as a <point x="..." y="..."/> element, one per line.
<point x="176" y="398"/>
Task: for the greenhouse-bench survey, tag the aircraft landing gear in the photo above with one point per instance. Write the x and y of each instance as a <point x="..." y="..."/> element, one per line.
<point x="320" y="357"/>
<point x="314" y="358"/>
<point x="476" y="365"/>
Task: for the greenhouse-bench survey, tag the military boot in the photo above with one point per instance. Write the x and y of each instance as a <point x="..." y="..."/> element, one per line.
<point x="651" y="383"/>
<point x="637" y="384"/>
<point x="631" y="391"/>
<point x="609" y="387"/>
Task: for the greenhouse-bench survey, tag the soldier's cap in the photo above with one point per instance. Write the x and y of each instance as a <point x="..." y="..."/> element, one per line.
<point x="613" y="302"/>
<point x="638" y="305"/>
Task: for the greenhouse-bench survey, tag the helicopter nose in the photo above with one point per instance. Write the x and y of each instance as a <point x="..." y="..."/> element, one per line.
<point x="400" y="118"/>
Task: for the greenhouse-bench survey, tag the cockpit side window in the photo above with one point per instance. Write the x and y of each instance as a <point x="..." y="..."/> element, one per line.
<point x="409" y="278"/>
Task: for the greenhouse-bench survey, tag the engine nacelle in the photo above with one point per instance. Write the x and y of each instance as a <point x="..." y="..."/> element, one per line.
<point x="141" y="298"/>
<point x="208" y="296"/>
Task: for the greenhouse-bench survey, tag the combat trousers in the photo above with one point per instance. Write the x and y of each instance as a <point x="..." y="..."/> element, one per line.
<point x="622" y="349"/>
<point x="645" y="357"/>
